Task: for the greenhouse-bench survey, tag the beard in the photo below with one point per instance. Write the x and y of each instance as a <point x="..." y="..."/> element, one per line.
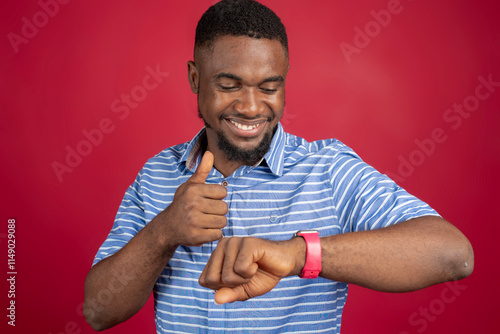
<point x="234" y="153"/>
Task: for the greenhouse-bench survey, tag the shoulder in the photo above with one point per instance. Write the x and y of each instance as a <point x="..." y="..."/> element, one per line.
<point x="166" y="161"/>
<point x="170" y="154"/>
<point x="297" y="148"/>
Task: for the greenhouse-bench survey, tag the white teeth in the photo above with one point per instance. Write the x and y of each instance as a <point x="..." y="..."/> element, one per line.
<point x="245" y="127"/>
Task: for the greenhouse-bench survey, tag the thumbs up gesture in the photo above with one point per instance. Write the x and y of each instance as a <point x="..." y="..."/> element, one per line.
<point x="196" y="215"/>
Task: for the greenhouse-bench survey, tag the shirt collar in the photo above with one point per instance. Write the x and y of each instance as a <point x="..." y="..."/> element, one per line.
<point x="192" y="155"/>
<point x="274" y="158"/>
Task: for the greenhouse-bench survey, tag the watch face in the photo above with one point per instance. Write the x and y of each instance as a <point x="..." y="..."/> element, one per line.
<point x="298" y="233"/>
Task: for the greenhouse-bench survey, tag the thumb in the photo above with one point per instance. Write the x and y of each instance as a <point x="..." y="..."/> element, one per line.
<point x="230" y="295"/>
<point x="204" y="168"/>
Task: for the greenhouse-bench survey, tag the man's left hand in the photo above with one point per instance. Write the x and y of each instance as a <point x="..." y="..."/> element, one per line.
<point x="243" y="268"/>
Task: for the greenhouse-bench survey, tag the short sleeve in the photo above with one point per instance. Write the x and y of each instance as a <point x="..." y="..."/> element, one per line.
<point x="129" y="220"/>
<point x="368" y="200"/>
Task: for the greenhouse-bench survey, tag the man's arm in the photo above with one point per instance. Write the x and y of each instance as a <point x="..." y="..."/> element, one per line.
<point x="132" y="272"/>
<point x="118" y="286"/>
<point x="404" y="257"/>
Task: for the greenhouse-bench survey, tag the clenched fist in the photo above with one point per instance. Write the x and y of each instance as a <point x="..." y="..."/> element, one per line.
<point x="243" y="268"/>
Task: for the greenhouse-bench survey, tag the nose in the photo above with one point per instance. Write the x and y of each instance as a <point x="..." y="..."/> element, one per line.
<point x="249" y="103"/>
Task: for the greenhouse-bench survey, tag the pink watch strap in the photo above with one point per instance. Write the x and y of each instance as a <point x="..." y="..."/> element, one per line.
<point x="312" y="268"/>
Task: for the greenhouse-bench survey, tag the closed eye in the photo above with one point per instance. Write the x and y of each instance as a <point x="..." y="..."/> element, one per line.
<point x="228" y="87"/>
<point x="269" y="91"/>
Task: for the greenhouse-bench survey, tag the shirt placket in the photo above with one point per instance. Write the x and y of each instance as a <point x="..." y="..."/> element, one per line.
<point x="216" y="313"/>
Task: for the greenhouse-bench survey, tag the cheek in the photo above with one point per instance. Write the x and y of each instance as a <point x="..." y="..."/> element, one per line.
<point x="214" y="101"/>
<point x="209" y="104"/>
<point x="277" y="103"/>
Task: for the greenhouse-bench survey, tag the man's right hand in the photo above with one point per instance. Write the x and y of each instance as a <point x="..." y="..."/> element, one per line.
<point x="197" y="213"/>
<point x="195" y="216"/>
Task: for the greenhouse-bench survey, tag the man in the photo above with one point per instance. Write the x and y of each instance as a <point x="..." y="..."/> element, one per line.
<point x="209" y="225"/>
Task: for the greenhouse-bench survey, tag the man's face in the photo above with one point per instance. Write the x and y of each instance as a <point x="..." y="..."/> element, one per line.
<point x="240" y="83"/>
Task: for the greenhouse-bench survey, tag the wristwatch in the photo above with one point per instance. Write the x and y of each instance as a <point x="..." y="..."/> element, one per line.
<point x="312" y="268"/>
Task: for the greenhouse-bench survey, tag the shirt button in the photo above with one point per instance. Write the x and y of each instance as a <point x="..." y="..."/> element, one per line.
<point x="225" y="183"/>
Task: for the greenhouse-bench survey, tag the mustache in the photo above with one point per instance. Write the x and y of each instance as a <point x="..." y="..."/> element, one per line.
<point x="238" y="115"/>
<point x="245" y="117"/>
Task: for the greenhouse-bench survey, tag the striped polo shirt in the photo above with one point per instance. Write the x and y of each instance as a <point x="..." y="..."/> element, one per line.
<point x="299" y="185"/>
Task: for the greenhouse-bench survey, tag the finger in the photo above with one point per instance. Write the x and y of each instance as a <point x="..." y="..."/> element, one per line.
<point x="246" y="263"/>
<point x="207" y="235"/>
<point x="202" y="279"/>
<point x="215" y="222"/>
<point x="204" y="168"/>
<point x="202" y="222"/>
<point x="229" y="276"/>
<point x="210" y="277"/>
<point x="213" y="191"/>
<point x="213" y="207"/>
<point x="261" y="283"/>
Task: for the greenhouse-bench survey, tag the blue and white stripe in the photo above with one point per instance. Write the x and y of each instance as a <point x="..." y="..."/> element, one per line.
<point x="321" y="185"/>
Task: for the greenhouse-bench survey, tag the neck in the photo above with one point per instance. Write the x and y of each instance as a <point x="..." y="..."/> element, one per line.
<point x="224" y="166"/>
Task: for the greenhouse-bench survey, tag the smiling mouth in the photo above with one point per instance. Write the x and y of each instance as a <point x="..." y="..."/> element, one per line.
<point x="245" y="127"/>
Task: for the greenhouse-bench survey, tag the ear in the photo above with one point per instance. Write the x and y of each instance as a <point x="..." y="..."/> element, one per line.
<point x="193" y="77"/>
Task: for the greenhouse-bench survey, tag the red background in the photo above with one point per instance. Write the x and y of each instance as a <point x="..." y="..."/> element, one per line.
<point x="395" y="91"/>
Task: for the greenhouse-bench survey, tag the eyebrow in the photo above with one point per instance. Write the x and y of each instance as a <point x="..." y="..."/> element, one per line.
<point x="227" y="75"/>
<point x="277" y="78"/>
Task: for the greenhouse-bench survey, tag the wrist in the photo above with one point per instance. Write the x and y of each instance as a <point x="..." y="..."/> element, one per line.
<point x="313" y="262"/>
<point x="298" y="245"/>
<point x="161" y="236"/>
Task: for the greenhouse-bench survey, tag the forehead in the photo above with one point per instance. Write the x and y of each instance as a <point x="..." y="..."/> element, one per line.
<point x="243" y="56"/>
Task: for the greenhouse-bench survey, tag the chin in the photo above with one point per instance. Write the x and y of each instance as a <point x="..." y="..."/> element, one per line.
<point x="247" y="153"/>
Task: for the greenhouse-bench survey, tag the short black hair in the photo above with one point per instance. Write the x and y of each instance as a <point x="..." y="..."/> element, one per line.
<point x="239" y="18"/>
